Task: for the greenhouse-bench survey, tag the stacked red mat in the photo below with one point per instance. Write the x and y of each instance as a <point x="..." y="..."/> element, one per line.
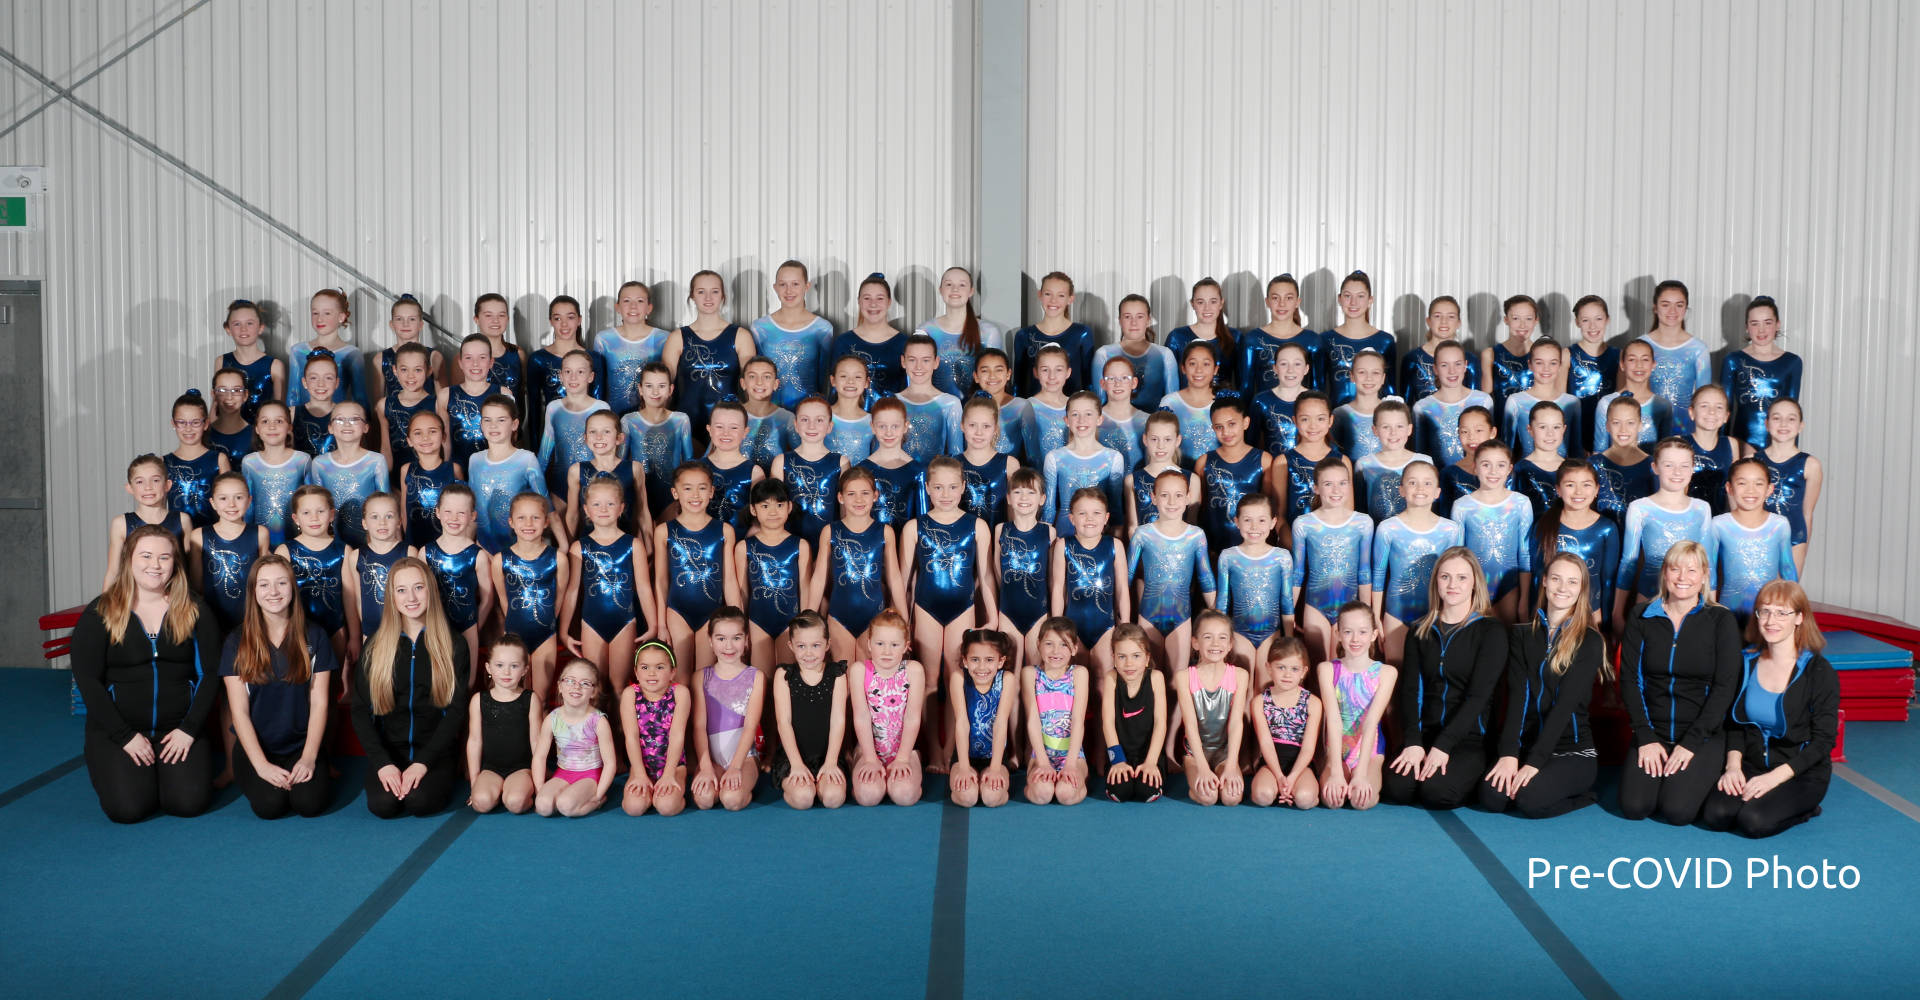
<point x="1876" y="677"/>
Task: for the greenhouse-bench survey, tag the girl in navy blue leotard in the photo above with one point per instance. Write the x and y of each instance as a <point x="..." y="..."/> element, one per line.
<point x="1023" y="563"/>
<point x="774" y="566"/>
<point x="854" y="573"/>
<point x="607" y="451"/>
<point x="615" y="586"/>
<point x="693" y="567"/>
<point x="265" y="375"/>
<point x="811" y="470"/>
<point x="983" y="467"/>
<point x="1056" y="329"/>
<point x="192" y="466"/>
<point x="232" y="428"/>
<point x="466" y="593"/>
<point x="1624" y="470"/>
<point x="732" y="469"/>
<point x="364" y="576"/>
<point x="948" y="572"/>
<point x="506" y="364"/>
<point x="318" y="557"/>
<point x="530" y="576"/>
<point x="874" y="342"/>
<point x="1759" y="373"/>
<point x="1355" y="334"/>
<point x="1503" y="367"/>
<point x="1210" y="311"/>
<point x="1090" y="578"/>
<point x="226" y="550"/>
<point x="1797" y="476"/>
<point x="1713" y="449"/>
<point x="706" y="356"/>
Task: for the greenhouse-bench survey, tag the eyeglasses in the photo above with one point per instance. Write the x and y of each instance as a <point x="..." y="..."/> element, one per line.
<point x="1112" y="379"/>
<point x="1774" y="614"/>
<point x="230" y="391"/>
<point x="338" y="421"/>
<point x="578" y="682"/>
<point x="189" y="424"/>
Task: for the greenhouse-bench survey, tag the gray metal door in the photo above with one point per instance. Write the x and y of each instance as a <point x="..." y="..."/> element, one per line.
<point x="23" y="476"/>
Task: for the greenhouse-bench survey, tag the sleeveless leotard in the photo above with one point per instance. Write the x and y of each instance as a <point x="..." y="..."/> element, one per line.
<point x="773" y="583"/>
<point x="190" y="485"/>
<point x="398" y="417"/>
<point x="1222" y="486"/>
<point x="727" y="700"/>
<point x="983" y="710"/>
<point x="1356" y="689"/>
<point x="532" y="590"/>
<point x="814" y="485"/>
<point x="259" y="373"/>
<point x="986" y="488"/>
<point x="1053" y="698"/>
<point x="1211" y="708"/>
<point x="373" y="568"/>
<point x="317" y="573"/>
<point x="1789" y="497"/>
<point x="730" y="488"/>
<point x="708" y="373"/>
<point x="653" y="724"/>
<point x="887" y="705"/>
<point x="224" y="566"/>
<point x="423" y="488"/>
<point x="458" y="577"/>
<point x="606" y="585"/>
<point x="857" y="572"/>
<point x="694" y="560"/>
<point x="946" y="570"/>
<point x="811" y="718"/>
<point x="504" y="748"/>
<point x="1090" y="586"/>
<point x="1026" y="569"/>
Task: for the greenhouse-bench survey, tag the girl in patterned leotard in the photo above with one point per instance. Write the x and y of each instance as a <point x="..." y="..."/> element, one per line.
<point x="1796" y="475"/>
<point x="1332" y="554"/>
<point x="580" y="737"/>
<point x="727" y="703"/>
<point x="653" y="714"/>
<point x="980" y="691"/>
<point x="1355" y="690"/>
<point x="1089" y="578"/>
<point x="887" y="693"/>
<point x="1054" y="692"/>
<point x="1213" y="709"/>
<point x="1289" y="716"/>
<point x="615" y="585"/>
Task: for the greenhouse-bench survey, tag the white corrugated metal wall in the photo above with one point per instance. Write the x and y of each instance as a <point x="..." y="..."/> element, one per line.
<point x="1478" y="148"/>
<point x="1488" y="148"/>
<point x="531" y="147"/>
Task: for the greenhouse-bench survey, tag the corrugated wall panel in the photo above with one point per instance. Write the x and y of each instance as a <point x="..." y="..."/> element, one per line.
<point x="1484" y="148"/>
<point x="531" y="147"/>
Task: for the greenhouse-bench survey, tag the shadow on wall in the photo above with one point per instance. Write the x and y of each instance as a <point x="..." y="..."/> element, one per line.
<point x="916" y="295"/>
<point x="1407" y="321"/>
<point x="1320" y="299"/>
<point x="1556" y="317"/>
<point x="833" y="286"/>
<point x="1484" y="320"/>
<point x="1634" y="317"/>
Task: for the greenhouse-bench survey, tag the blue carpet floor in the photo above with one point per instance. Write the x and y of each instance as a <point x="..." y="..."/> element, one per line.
<point x="1167" y="899"/>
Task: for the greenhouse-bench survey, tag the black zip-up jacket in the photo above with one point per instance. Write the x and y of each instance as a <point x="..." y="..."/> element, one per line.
<point x="1678" y="688"/>
<point x="1547" y="714"/>
<point x="1810" y="706"/>
<point x="417" y="730"/>
<point x="145" y="685"/>
<point x="1447" y="682"/>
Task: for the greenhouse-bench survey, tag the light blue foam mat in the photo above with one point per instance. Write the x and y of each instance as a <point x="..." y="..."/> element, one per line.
<point x="1173" y="899"/>
<point x="766" y="902"/>
<point x="214" y="906"/>
<point x="1671" y="941"/>
<point x="39" y="732"/>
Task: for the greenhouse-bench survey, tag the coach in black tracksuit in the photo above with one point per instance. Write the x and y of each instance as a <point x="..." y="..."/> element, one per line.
<point x="1547" y="729"/>
<point x="1785" y="719"/>
<point x="1679" y="672"/>
<point x="1442" y="697"/>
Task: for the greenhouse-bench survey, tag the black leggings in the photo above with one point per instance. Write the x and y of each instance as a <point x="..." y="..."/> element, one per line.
<point x="1675" y="799"/>
<point x="308" y="798"/>
<point x="1134" y="790"/>
<point x="1789" y="805"/>
<point x="430" y="796"/>
<point x="1466" y="765"/>
<point x="1565" y="784"/>
<point x="132" y="792"/>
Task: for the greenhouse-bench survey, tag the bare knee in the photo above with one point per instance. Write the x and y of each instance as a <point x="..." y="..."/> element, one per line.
<point x="992" y="797"/>
<point x="485" y="799"/>
<point x="869" y="793"/>
<point x="1305" y="798"/>
<point x="1039" y="792"/>
<point x="516" y="800"/>
<point x="903" y="793"/>
<point x="799" y="795"/>
<point x="736" y="799"/>
<point x="831" y="796"/>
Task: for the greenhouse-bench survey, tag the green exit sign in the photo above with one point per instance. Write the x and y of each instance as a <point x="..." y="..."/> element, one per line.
<point x="13" y="213"/>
